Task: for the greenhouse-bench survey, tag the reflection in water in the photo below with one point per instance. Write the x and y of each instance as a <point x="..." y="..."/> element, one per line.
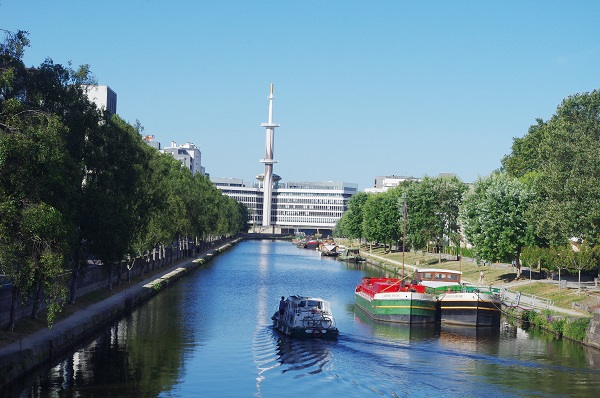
<point x="307" y="356"/>
<point x="122" y="360"/>
<point x="469" y="338"/>
<point x="395" y="331"/>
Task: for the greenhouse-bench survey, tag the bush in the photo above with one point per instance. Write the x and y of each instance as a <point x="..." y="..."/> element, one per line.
<point x="528" y="316"/>
<point x="577" y="329"/>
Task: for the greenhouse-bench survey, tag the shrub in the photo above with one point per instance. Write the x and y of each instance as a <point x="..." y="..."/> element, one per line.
<point x="577" y="329"/>
<point x="528" y="316"/>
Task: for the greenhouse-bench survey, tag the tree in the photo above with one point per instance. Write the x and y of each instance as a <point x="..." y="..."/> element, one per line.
<point x="493" y="218"/>
<point x="32" y="163"/>
<point x="560" y="157"/>
<point x="49" y="94"/>
<point x="354" y="216"/>
<point x="526" y="155"/>
<point x="433" y="208"/>
<point x="31" y="254"/>
<point x="115" y="209"/>
<point x="380" y="218"/>
<point x="581" y="257"/>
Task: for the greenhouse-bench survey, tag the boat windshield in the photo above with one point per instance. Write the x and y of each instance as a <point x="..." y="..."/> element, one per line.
<point x="322" y="306"/>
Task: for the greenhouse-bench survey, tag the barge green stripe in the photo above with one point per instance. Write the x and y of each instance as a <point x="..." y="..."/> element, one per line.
<point x="406" y="306"/>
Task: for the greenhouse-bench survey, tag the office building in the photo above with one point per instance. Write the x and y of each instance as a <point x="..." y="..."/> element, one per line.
<point x="102" y="96"/>
<point x="309" y="207"/>
<point x="188" y="154"/>
<point x="383" y="183"/>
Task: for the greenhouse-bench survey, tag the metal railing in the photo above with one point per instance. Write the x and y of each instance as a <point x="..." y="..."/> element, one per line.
<point x="525" y="300"/>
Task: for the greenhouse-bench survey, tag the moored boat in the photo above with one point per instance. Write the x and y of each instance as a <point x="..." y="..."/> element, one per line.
<point x="352" y="255"/>
<point x="306" y="317"/>
<point x="328" y="250"/>
<point x="393" y="300"/>
<point x="461" y="304"/>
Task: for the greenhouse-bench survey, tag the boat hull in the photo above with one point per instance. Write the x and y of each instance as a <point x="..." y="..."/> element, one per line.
<point x="469" y="309"/>
<point x="302" y="332"/>
<point x="398" y="307"/>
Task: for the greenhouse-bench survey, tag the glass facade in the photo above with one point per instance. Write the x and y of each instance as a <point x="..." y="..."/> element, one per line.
<point x="295" y="205"/>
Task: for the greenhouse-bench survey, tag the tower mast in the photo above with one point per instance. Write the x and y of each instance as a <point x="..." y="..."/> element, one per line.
<point x="268" y="161"/>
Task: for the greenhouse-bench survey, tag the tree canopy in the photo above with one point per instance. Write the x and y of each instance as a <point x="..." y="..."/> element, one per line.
<point x="76" y="181"/>
<point x="493" y="217"/>
<point x="560" y="157"/>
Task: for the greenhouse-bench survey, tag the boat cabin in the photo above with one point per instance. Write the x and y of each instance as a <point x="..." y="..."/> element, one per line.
<point x="300" y="304"/>
<point x="434" y="277"/>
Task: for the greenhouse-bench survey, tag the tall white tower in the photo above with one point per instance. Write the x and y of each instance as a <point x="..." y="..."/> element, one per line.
<point x="268" y="161"/>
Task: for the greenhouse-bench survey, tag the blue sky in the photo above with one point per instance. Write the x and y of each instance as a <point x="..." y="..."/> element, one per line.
<point x="363" y="88"/>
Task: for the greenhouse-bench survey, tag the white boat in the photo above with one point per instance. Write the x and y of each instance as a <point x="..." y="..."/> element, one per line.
<point x="306" y="317"/>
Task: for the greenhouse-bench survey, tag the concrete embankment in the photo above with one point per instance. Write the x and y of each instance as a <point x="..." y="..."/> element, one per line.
<point x="17" y="359"/>
<point x="592" y="337"/>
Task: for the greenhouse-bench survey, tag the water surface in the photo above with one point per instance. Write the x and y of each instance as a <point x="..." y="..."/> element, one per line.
<point x="210" y="335"/>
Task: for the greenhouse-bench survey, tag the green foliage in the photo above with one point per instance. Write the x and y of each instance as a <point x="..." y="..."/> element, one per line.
<point x="560" y="158"/>
<point x="580" y="257"/>
<point x="493" y="217"/>
<point x="576" y="330"/>
<point x="380" y="218"/>
<point x="351" y="223"/>
<point x="528" y="316"/>
<point x="432" y="211"/>
<point x="467" y="252"/>
<point x="526" y="156"/>
<point x="75" y="181"/>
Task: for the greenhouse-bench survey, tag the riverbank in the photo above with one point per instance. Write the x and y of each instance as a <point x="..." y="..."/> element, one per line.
<point x="568" y="297"/>
<point x="578" y="301"/>
<point x="36" y="347"/>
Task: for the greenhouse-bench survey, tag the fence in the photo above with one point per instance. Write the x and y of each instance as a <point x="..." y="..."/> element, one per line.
<point x="525" y="300"/>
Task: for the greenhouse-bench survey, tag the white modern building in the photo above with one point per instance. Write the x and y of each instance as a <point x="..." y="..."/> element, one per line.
<point x="309" y="207"/>
<point x="188" y="154"/>
<point x="383" y="183"/>
<point x="102" y="96"/>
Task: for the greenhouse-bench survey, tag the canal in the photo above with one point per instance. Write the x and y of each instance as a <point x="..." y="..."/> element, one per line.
<point x="209" y="335"/>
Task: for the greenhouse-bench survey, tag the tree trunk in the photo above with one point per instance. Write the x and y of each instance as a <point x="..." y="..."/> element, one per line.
<point x="119" y="271"/>
<point x="35" y="307"/>
<point x="73" y="287"/>
<point x="110" y="273"/>
<point x="13" y="307"/>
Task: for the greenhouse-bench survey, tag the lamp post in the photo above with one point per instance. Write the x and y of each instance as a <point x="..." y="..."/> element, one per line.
<point x="403" y="231"/>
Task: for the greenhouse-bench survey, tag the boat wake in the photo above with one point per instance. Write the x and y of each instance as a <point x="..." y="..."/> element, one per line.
<point x="303" y="357"/>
